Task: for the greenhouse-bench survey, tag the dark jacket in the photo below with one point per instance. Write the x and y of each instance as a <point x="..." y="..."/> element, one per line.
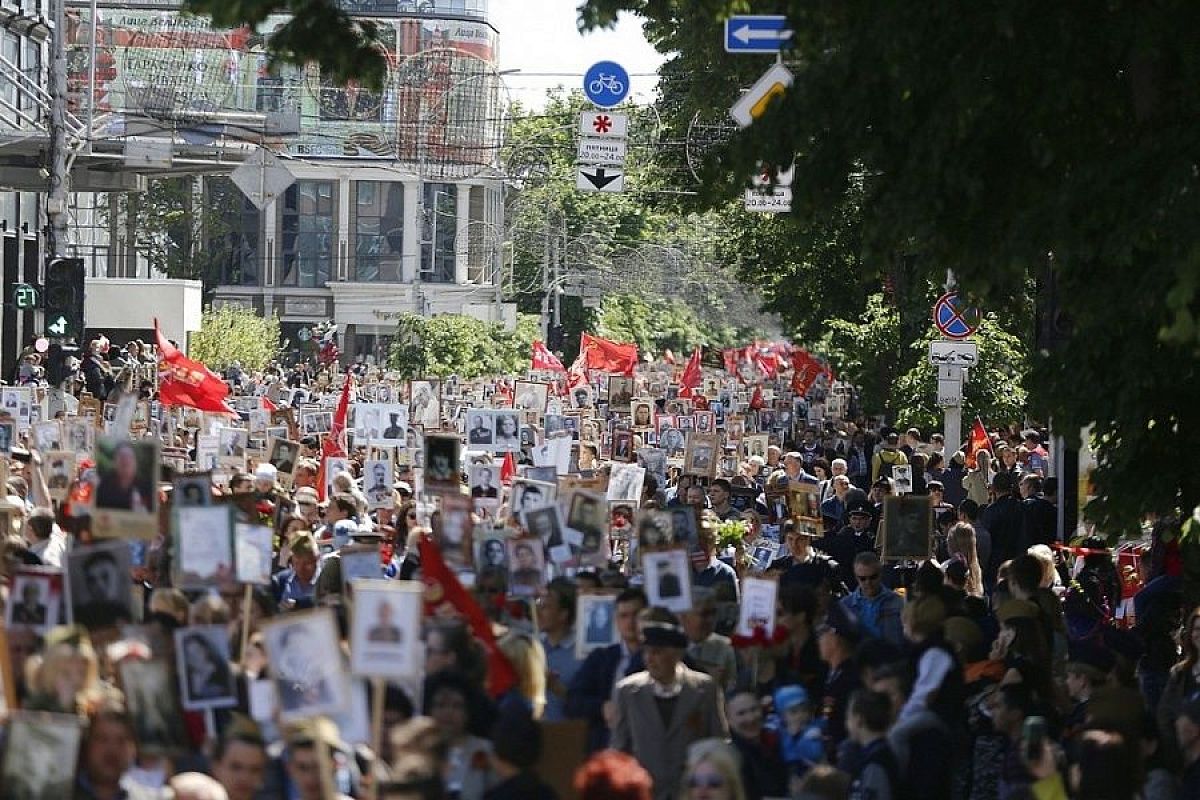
<point x="1040" y="521"/>
<point x="1005" y="520"/>
<point x="818" y="569"/>
<point x="524" y="786"/>
<point x="763" y="772"/>
<point x="593" y="685"/>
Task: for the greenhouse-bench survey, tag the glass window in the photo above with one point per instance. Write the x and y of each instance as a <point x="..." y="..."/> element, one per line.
<point x="10" y="48"/>
<point x="31" y="68"/>
<point x="307" y="228"/>
<point x="438" y="220"/>
<point x="377" y="220"/>
<point x="232" y="239"/>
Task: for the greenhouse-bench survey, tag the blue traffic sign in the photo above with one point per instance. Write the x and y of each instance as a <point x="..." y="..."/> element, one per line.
<point x="757" y="33"/>
<point x="953" y="318"/>
<point x="606" y="83"/>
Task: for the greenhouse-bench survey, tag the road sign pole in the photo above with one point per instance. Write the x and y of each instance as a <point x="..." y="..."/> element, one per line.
<point x="952" y="429"/>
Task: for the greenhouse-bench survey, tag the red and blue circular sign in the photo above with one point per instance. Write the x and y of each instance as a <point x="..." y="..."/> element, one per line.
<point x="953" y="318"/>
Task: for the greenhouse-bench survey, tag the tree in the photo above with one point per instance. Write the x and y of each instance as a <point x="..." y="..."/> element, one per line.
<point x="1007" y="142"/>
<point x="466" y="347"/>
<point x="230" y="333"/>
<point x="656" y="324"/>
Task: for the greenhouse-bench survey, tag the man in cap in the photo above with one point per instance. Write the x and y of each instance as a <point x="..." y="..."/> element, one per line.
<point x="661" y="711"/>
<point x="837" y="638"/>
<point x="307" y="505"/>
<point x="307" y="744"/>
<point x="329" y="582"/>
<point x="848" y="542"/>
<point x="805" y="565"/>
<point x="889" y="455"/>
<point x="1088" y="666"/>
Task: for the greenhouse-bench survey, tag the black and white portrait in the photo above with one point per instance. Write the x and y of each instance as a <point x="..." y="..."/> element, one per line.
<point x="284" y="456"/>
<point x="441" y="463"/>
<point x="378" y="480"/>
<point x="595" y="623"/>
<point x="588" y="515"/>
<point x="192" y="490"/>
<point x="99" y="584"/>
<point x="654" y="530"/>
<point x="625" y="482"/>
<point x="507" y="431"/>
<point x="206" y="678"/>
<point x="425" y="406"/>
<point x="546" y="524"/>
<point x="528" y="495"/>
<point x="620" y="393"/>
<point x="530" y="396"/>
<point x="34" y="600"/>
<point x="485" y="481"/>
<point x="203" y="545"/>
<point x="153" y="701"/>
<point x="386" y="624"/>
<point x="306" y="667"/>
<point x="481" y="429"/>
<point x="668" y="580"/>
<point x="581" y="396"/>
<point x="526" y="566"/>
<point x="490" y="554"/>
<point x="40" y="756"/>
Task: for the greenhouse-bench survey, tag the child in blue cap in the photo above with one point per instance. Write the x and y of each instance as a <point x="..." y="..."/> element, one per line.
<point x="801" y="738"/>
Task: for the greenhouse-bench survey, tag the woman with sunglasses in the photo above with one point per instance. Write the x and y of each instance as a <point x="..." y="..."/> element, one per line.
<point x="712" y="773"/>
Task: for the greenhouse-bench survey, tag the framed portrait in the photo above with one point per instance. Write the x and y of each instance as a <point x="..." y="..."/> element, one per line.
<point x="530" y="396"/>
<point x="762" y="555"/>
<point x="378" y="483"/>
<point x="671" y="439"/>
<point x="906" y="528"/>
<point x="231" y="448"/>
<point x="206" y="678"/>
<point x="385" y="626"/>
<point x="546" y="523"/>
<point x="425" y="404"/>
<point x="99" y="587"/>
<point x="642" y="414"/>
<point x="287" y="418"/>
<point x="192" y="490"/>
<point x="47" y="435"/>
<point x="755" y="444"/>
<point x="620" y="394"/>
<point x="804" y="500"/>
<point x="333" y="466"/>
<point x="203" y="545"/>
<point x="685" y="422"/>
<point x="359" y="561"/>
<point x="622" y="446"/>
<point x="685" y="525"/>
<point x="703" y="452"/>
<point x="484" y="480"/>
<point x="306" y="670"/>
<point x="507" y="433"/>
<point x="526" y="495"/>
<point x="35" y="599"/>
<point x="595" y="622"/>
<point x="58" y="468"/>
<point x="678" y="406"/>
<point x="581" y="397"/>
<point x="587" y="515"/>
<point x="78" y="435"/>
<point x="252" y="553"/>
<point x="441" y="463"/>
<point x="654" y="530"/>
<point x="735" y="427"/>
<point x="481" y="429"/>
<point x="490" y="552"/>
<point x="757" y="609"/>
<point x="283" y="455"/>
<point x="902" y="477"/>
<point x="706" y="421"/>
<point x="625" y="483"/>
<point x="315" y="422"/>
<point x="40" y="755"/>
<point x="526" y="566"/>
<point x="153" y="699"/>
<point x="668" y="579"/>
<point x="8" y="433"/>
<point x="452" y="529"/>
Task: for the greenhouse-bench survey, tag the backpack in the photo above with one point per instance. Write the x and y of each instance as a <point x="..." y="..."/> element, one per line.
<point x="886" y="466"/>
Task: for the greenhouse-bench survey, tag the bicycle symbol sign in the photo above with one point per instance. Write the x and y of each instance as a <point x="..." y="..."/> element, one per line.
<point x="606" y="83"/>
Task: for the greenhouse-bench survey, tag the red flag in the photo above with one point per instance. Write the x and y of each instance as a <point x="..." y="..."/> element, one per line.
<point x="979" y="441"/>
<point x="690" y="378"/>
<point x="183" y="382"/>
<point x="544" y="359"/>
<point x="577" y="375"/>
<point x="444" y="594"/>
<point x="508" y="469"/>
<point x="756" y="399"/>
<point x="334" y="444"/>
<point x="608" y="356"/>
<point x="267" y="405"/>
<point x="730" y="357"/>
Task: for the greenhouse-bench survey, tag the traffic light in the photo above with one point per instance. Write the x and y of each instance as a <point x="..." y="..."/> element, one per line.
<point x="64" y="297"/>
<point x="60" y="362"/>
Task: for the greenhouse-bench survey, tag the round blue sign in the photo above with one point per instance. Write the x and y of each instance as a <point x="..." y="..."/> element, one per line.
<point x="606" y="83"/>
<point x="954" y="318"/>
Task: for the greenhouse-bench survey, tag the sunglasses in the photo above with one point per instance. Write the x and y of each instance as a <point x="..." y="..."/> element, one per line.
<point x="874" y="576"/>
<point x="706" y="782"/>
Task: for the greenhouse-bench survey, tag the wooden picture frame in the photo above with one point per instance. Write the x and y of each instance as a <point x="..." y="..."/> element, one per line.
<point x="702" y="454"/>
<point x="906" y="530"/>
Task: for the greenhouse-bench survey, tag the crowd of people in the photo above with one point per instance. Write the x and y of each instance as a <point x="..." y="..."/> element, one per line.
<point x="638" y="585"/>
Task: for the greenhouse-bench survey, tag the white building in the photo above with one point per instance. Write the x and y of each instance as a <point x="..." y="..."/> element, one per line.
<point x="395" y="202"/>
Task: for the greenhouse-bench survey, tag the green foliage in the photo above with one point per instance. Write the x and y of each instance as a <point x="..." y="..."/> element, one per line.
<point x="455" y="344"/>
<point x="656" y="324"/>
<point x="995" y="140"/>
<point x="229" y="334"/>
<point x="319" y="31"/>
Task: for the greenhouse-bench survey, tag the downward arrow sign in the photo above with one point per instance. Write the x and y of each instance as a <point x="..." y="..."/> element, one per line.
<point x="601" y="178"/>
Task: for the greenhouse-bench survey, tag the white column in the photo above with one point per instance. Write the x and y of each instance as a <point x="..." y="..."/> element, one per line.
<point x="410" y="258"/>
<point x="462" y="229"/>
<point x="341" y="271"/>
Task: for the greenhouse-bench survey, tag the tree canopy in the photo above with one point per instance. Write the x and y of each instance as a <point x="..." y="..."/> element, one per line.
<point x="456" y="344"/>
<point x="230" y="333"/>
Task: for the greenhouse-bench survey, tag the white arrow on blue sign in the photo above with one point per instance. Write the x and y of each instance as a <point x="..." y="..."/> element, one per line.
<point x="757" y="33"/>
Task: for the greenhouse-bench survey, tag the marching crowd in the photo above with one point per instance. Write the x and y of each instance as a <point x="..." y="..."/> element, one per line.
<point x="855" y="611"/>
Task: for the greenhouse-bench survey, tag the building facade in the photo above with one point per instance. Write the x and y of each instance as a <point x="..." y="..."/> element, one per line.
<point x="377" y="203"/>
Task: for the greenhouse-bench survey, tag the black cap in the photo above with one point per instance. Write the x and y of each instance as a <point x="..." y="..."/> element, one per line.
<point x="861" y="511"/>
<point x="664" y="634"/>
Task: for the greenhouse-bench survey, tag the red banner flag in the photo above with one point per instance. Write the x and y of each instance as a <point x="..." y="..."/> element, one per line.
<point x="267" y="405"/>
<point x="805" y="370"/>
<point x="334" y="444"/>
<point x="601" y="354"/>
<point x="756" y="399"/>
<point x="690" y="378"/>
<point x="183" y="382"/>
<point x="545" y="360"/>
<point x="444" y="595"/>
<point x="979" y="440"/>
<point x="508" y="469"/>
